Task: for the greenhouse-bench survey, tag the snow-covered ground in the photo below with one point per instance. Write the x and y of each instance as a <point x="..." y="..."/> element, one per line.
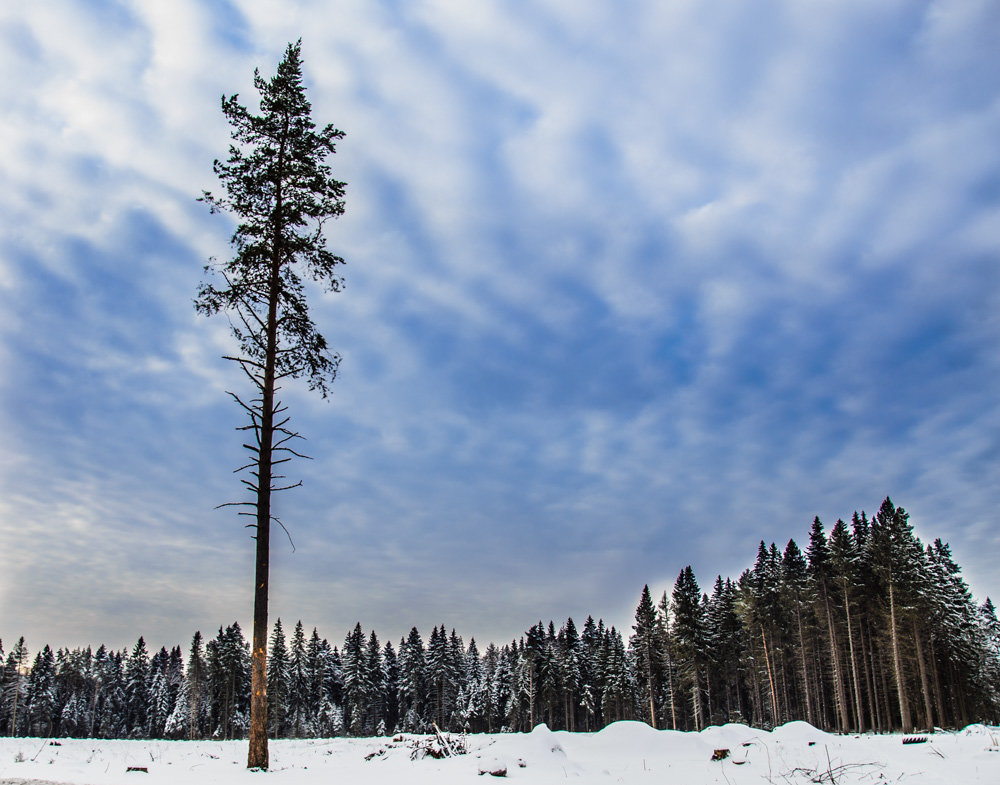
<point x="626" y="752"/>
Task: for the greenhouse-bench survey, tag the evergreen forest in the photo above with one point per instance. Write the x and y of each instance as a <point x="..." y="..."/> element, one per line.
<point x="866" y="629"/>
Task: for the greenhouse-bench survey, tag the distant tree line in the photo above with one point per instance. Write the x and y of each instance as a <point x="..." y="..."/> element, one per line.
<point x="868" y="629"/>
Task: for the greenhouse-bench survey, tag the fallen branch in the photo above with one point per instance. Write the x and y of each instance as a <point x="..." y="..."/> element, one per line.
<point x="830" y="775"/>
<point x="441" y="746"/>
<point x="443" y="740"/>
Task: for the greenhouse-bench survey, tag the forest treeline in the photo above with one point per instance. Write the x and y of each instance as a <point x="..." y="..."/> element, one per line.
<point x="867" y="629"/>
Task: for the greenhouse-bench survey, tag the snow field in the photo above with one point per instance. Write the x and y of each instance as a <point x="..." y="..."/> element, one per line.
<point x="625" y="752"/>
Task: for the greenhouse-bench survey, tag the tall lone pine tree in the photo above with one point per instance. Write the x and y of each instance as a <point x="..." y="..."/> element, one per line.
<point x="281" y="193"/>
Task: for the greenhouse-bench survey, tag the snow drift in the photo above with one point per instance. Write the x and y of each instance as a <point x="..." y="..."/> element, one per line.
<point x="625" y="752"/>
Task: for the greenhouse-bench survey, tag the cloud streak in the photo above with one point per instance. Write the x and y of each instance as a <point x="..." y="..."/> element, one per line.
<point x="624" y="292"/>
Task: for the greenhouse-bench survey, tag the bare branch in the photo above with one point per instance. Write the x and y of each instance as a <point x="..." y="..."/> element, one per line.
<point x="296" y="454"/>
<point x="251" y="376"/>
<point x="287" y="533"/>
<point x="246" y="360"/>
<point x="252" y="410"/>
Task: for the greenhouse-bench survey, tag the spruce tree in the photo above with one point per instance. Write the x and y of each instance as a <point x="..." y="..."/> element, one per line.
<point x="330" y="716"/>
<point x="619" y="680"/>
<point x="821" y="573"/>
<point x="844" y="561"/>
<point x="160" y="694"/>
<point x="40" y="694"/>
<point x="277" y="682"/>
<point x="990" y="627"/>
<point x="13" y="684"/>
<point x="315" y="675"/>
<point x="647" y="647"/>
<point x="570" y="672"/>
<point x="390" y="692"/>
<point x="229" y="674"/>
<point x="896" y="561"/>
<point x="412" y="683"/>
<point x="491" y="668"/>
<point x="376" y="686"/>
<point x="548" y="674"/>
<point x="177" y="723"/>
<point x="357" y="687"/>
<point x="725" y="651"/>
<point x="764" y="617"/>
<point x="298" y="682"/>
<point x="534" y="649"/>
<point x="110" y="717"/>
<point x="195" y="680"/>
<point x="281" y="193"/>
<point x="688" y="633"/>
<point x="137" y="692"/>
<point x="74" y="692"/>
<point x="589" y="676"/>
<point x="795" y="590"/>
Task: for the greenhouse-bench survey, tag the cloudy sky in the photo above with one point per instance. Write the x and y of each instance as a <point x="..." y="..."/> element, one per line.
<point x="629" y="287"/>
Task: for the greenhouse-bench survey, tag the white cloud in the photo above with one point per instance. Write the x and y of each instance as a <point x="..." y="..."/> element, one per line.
<point x="615" y="278"/>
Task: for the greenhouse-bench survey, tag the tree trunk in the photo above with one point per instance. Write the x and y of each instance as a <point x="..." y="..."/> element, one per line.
<point x="670" y="688"/>
<point x="854" y="664"/>
<point x="838" y="679"/>
<point x="257" y="757"/>
<point x="649" y="683"/>
<point x="904" y="706"/>
<point x="531" y="696"/>
<point x="17" y="692"/>
<point x="758" y="702"/>
<point x="819" y="687"/>
<point x="963" y="707"/>
<point x="93" y="714"/>
<point x="770" y="678"/>
<point x="924" y="681"/>
<point x="938" y="695"/>
<point x="805" y="671"/>
<point x="696" y="699"/>
<point x="869" y="678"/>
<point x="887" y="724"/>
<point x="708" y="693"/>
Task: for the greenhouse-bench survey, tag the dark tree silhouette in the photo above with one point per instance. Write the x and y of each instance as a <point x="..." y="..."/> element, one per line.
<point x="281" y="192"/>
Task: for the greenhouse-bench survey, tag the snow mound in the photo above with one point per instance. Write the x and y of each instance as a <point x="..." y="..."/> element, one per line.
<point x="541" y="755"/>
<point x="543" y="741"/>
<point x="728" y="736"/>
<point x="799" y="732"/>
<point x="628" y="731"/>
